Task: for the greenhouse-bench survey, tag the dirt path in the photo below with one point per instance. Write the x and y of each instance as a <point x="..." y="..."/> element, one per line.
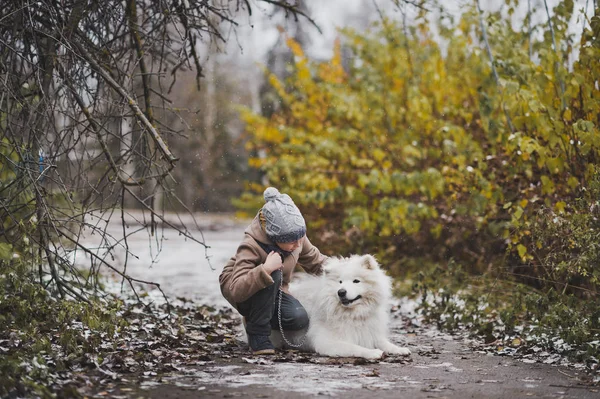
<point x="441" y="366"/>
<point x="454" y="374"/>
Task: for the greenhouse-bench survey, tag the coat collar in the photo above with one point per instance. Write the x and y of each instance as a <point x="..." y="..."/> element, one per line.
<point x="256" y="231"/>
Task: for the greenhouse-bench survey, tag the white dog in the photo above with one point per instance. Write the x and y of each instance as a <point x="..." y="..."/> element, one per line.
<point x="348" y="307"/>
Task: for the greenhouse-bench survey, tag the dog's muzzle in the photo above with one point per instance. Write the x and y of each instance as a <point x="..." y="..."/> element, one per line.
<point x="344" y="299"/>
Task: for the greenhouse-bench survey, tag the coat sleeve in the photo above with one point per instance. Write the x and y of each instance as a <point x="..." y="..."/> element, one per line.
<point x="311" y="259"/>
<point x="248" y="275"/>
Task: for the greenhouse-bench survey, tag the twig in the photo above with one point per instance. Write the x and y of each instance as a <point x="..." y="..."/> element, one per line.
<point x="567" y="374"/>
<point x="129" y="279"/>
<point x="294" y="11"/>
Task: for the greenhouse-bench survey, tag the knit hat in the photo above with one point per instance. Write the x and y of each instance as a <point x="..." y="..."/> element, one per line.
<point x="283" y="220"/>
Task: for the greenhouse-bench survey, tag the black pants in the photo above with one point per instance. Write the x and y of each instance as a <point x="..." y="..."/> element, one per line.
<point x="261" y="310"/>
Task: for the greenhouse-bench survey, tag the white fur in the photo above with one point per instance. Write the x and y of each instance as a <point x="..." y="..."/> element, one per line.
<point x="358" y="329"/>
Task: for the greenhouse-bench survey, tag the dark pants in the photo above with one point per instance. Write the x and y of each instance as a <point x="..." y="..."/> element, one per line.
<point x="261" y="310"/>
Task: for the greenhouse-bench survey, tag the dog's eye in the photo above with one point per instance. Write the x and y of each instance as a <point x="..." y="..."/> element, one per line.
<point x="340" y="281"/>
<point x="356" y="281"/>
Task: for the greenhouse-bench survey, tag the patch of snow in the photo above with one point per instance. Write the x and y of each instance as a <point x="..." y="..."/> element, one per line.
<point x="531" y="386"/>
<point x="182" y="267"/>
<point x="310" y="379"/>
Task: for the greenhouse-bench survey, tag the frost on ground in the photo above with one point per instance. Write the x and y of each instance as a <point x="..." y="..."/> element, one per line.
<point x="198" y="348"/>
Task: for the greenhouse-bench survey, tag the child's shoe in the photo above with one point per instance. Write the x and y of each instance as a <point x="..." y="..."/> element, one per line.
<point x="260" y="345"/>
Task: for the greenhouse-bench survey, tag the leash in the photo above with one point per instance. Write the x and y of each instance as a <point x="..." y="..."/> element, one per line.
<point x="279" y="319"/>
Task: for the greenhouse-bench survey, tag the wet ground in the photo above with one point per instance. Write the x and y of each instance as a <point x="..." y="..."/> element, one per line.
<point x="441" y="366"/>
<point x="454" y="373"/>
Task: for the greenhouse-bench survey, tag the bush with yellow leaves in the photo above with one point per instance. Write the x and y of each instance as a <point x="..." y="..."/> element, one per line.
<point x="419" y="149"/>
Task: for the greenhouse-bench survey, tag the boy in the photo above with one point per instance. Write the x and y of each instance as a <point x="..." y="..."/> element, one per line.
<point x="273" y="244"/>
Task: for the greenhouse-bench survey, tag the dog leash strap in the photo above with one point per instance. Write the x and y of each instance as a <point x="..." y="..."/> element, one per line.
<point x="293" y="345"/>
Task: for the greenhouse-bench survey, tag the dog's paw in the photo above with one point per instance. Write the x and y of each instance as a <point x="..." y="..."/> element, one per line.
<point x="397" y="350"/>
<point x="373" y="354"/>
<point x="403" y="352"/>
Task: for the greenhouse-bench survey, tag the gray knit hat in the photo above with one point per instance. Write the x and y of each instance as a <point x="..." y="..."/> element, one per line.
<point x="283" y="220"/>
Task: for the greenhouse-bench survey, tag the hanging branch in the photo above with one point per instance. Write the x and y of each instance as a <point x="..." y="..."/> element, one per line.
<point x="192" y="40"/>
<point x="132" y="19"/>
<point x="131" y="12"/>
<point x="95" y="126"/>
<point x="492" y="62"/>
<point x="130" y="101"/>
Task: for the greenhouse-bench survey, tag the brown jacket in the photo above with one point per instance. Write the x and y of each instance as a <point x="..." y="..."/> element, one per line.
<point x="244" y="275"/>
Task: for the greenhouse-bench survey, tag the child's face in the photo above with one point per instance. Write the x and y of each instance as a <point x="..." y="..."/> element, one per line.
<point x="289" y="246"/>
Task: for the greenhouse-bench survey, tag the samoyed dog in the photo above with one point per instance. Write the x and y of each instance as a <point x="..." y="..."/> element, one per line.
<point x="348" y="307"/>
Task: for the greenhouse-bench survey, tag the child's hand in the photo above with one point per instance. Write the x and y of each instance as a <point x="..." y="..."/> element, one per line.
<point x="273" y="262"/>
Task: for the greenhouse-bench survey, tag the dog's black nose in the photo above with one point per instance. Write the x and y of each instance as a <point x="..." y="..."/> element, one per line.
<point x="341" y="292"/>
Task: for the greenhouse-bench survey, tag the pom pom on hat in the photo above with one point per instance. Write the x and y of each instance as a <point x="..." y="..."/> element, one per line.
<point x="270" y="194"/>
<point x="283" y="220"/>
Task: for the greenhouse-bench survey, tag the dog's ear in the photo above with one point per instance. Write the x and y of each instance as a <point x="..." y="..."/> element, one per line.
<point x="370" y="262"/>
<point x="328" y="265"/>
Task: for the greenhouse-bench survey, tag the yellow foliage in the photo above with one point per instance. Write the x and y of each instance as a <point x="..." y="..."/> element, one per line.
<point x="294" y="46"/>
<point x="418" y="145"/>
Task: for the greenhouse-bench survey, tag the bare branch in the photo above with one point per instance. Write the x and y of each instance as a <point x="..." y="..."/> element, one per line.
<point x="130" y="101"/>
<point x="81" y="135"/>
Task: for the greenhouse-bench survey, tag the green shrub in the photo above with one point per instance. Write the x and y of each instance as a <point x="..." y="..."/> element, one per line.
<point x="40" y="333"/>
<point x="499" y="310"/>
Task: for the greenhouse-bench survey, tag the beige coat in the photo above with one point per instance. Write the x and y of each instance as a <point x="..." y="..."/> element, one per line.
<point x="244" y="275"/>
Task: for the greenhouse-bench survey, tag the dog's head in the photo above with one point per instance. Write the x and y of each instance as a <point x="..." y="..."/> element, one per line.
<point x="356" y="280"/>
